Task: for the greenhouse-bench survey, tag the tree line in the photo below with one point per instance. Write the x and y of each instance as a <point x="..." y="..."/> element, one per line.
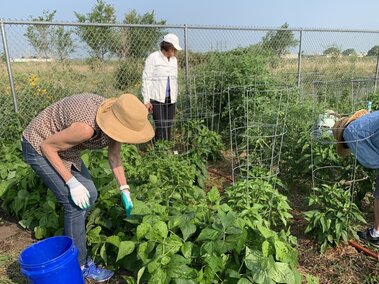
<point x="131" y="42"/>
<point x="119" y="41"/>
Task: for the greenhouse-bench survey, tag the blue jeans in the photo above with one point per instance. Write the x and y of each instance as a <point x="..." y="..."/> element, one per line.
<point x="74" y="217"/>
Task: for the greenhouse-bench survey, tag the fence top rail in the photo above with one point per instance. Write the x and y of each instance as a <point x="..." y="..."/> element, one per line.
<point x="184" y="26"/>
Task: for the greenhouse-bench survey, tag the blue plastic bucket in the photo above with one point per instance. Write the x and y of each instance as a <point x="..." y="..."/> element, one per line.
<point x="52" y="260"/>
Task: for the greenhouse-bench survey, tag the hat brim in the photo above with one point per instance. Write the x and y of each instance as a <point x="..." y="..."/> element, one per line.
<point x="342" y="124"/>
<point x="112" y="127"/>
<point x="177" y="47"/>
<point x="341" y="150"/>
<point x="338" y="129"/>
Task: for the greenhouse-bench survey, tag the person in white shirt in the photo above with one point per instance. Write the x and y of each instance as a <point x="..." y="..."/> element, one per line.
<point x="160" y="86"/>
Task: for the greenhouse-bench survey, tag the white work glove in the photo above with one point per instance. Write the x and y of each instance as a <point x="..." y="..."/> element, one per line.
<point x="79" y="194"/>
<point x="126" y="200"/>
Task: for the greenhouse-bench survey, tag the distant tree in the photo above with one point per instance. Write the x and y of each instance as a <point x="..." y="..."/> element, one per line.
<point x="62" y="43"/>
<point x="47" y="39"/>
<point x="99" y="39"/>
<point x="332" y="51"/>
<point x="138" y="42"/>
<point x="374" y="51"/>
<point x="349" y="52"/>
<point x="38" y="35"/>
<point x="279" y="41"/>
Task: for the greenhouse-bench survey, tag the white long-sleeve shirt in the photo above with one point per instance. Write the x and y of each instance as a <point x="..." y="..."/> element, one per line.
<point x="154" y="78"/>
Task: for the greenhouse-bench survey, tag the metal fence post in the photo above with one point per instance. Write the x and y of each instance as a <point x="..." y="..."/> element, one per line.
<point x="186" y="56"/>
<point x="376" y="73"/>
<point x="299" y="60"/>
<point x="8" y="61"/>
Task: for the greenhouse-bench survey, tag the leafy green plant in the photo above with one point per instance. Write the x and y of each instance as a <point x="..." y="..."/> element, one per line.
<point x="125" y="75"/>
<point x="24" y="195"/>
<point x="321" y="157"/>
<point x="199" y="139"/>
<point x="178" y="232"/>
<point x="274" y="260"/>
<point x="259" y="200"/>
<point x="334" y="216"/>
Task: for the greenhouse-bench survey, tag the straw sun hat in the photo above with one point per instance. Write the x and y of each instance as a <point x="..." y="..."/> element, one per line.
<point x="340" y="126"/>
<point x="124" y="119"/>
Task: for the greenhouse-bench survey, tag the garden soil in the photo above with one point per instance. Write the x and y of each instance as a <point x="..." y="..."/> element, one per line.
<point x="13" y="240"/>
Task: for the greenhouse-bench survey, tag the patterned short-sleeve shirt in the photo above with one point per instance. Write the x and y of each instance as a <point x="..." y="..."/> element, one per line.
<point x="60" y="115"/>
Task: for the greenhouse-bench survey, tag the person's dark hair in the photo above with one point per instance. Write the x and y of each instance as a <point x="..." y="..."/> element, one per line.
<point x="166" y="46"/>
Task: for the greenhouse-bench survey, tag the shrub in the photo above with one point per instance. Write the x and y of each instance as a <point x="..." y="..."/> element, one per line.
<point x="257" y="199"/>
<point x="332" y="220"/>
<point x="128" y="75"/>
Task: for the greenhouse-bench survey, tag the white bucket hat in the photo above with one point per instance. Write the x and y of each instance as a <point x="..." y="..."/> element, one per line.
<point x="173" y="39"/>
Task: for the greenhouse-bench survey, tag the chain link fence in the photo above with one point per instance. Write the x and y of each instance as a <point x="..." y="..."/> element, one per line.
<point x="42" y="62"/>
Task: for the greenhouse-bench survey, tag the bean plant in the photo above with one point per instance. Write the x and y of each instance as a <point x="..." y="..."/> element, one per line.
<point x="334" y="216"/>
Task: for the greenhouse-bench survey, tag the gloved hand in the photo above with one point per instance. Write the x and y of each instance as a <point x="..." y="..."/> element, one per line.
<point x="79" y="194"/>
<point x="126" y="200"/>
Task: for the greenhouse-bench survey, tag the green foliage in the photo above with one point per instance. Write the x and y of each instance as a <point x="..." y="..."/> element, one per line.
<point x="257" y="199"/>
<point x="99" y="39"/>
<point x="24" y="195"/>
<point x="138" y="42"/>
<point x="310" y="279"/>
<point x="39" y="35"/>
<point x="334" y="51"/>
<point x="165" y="248"/>
<point x="332" y="219"/>
<point x="47" y="39"/>
<point x="125" y="74"/>
<point x="3" y="59"/>
<point x="180" y="175"/>
<point x="237" y="68"/>
<point x="374" y="51"/>
<point x="38" y="93"/>
<point x="62" y="43"/>
<point x="349" y="52"/>
<point x="279" y="41"/>
<point x="124" y="42"/>
<point x="177" y="232"/>
<point x="321" y="154"/>
<point x="203" y="142"/>
<point x="14" y="126"/>
<point x="295" y="159"/>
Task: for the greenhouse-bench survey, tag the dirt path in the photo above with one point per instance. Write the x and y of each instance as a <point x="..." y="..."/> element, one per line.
<point x="343" y="264"/>
<point x="13" y="240"/>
